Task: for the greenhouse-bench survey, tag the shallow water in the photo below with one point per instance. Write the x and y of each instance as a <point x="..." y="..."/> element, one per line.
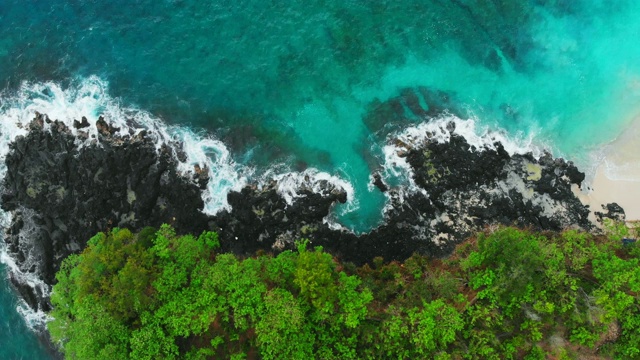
<point x="300" y="83"/>
<point x="16" y="340"/>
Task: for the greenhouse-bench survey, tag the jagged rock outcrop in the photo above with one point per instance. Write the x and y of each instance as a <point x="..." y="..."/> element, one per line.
<point x="261" y="219"/>
<point x="62" y="190"/>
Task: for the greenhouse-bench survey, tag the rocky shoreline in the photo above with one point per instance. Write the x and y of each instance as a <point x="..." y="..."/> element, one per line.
<point x="61" y="189"/>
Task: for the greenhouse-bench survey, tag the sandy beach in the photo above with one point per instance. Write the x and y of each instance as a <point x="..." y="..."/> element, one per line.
<point x="617" y="176"/>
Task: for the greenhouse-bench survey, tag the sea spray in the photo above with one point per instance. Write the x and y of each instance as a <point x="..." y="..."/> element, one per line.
<point x="291" y="183"/>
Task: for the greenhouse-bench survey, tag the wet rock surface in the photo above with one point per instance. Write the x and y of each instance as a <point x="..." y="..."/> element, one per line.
<point x="461" y="189"/>
<point x="62" y="193"/>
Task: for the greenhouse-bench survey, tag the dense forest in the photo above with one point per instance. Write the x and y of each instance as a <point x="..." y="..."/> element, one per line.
<point x="503" y="294"/>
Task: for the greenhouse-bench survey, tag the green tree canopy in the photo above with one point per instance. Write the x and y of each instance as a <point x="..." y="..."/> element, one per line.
<point x="508" y="294"/>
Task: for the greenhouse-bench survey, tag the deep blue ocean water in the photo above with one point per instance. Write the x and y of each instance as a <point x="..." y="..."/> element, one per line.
<point x="295" y="82"/>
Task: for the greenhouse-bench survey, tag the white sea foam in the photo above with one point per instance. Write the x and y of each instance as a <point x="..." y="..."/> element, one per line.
<point x="290" y="184"/>
<point x="480" y="137"/>
<point x="35" y="320"/>
<point x="211" y="154"/>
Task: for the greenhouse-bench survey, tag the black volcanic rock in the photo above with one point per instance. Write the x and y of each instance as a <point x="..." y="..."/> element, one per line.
<point x="614" y="212"/>
<point x="62" y="195"/>
<point x="261" y="219"/>
<point x="466" y="190"/>
<point x="81" y="125"/>
<point x="453" y="166"/>
<point x="379" y="183"/>
<point x="105" y="128"/>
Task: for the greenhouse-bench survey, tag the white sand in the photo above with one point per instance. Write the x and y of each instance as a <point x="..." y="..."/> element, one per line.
<point x="617" y="176"/>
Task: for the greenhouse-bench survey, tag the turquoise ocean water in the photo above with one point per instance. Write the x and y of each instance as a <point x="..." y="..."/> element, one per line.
<point x="294" y="82"/>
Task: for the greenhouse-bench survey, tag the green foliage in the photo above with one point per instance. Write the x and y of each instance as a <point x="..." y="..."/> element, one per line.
<point x="510" y="294"/>
<point x="314" y="276"/>
<point x="422" y="332"/>
<point x="281" y="270"/>
<point x="616" y="230"/>
<point x="282" y="331"/>
<point x="110" y="299"/>
<point x="163" y="296"/>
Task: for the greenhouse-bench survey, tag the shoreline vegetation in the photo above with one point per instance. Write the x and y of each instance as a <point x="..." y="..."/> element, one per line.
<point x="505" y="293"/>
